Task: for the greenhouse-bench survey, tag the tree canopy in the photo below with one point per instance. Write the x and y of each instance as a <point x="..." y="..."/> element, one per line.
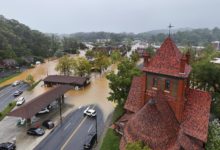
<point x="213" y="142"/>
<point x="120" y="82"/>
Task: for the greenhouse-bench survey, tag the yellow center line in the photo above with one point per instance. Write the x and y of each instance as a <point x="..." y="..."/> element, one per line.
<point x="74" y="132"/>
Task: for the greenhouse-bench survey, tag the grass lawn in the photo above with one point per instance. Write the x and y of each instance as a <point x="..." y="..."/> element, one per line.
<point x="118" y="112"/>
<point x="111" y="140"/>
<point x="9" y="77"/>
<point x="7" y="110"/>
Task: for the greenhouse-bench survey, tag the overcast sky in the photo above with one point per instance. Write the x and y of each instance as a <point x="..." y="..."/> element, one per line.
<point x="69" y="16"/>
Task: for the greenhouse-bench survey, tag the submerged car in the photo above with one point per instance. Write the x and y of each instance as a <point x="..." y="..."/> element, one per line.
<point x="48" y="124"/>
<point x="90" y="140"/>
<point x="90" y="112"/>
<point x="17" y="93"/>
<point x="7" y="146"/>
<point x="36" y="131"/>
<point x="20" y="101"/>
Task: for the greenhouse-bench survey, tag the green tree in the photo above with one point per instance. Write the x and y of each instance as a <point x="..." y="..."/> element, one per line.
<point x="115" y="56"/>
<point x="121" y="81"/>
<point x="64" y="65"/>
<point x="81" y="66"/>
<point x="135" y="56"/>
<point x="138" y="145"/>
<point x="101" y="62"/>
<point x="90" y="53"/>
<point x="30" y="79"/>
<point x="213" y="142"/>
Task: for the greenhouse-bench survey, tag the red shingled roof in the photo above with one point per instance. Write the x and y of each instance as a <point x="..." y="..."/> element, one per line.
<point x="135" y="98"/>
<point x="196" y="114"/>
<point x="155" y="124"/>
<point x="167" y="61"/>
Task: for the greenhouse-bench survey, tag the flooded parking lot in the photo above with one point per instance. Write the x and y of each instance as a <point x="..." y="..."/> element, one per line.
<point x="95" y="93"/>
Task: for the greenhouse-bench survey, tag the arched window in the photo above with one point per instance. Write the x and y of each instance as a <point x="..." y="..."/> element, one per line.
<point x="167" y="85"/>
<point x="154" y="82"/>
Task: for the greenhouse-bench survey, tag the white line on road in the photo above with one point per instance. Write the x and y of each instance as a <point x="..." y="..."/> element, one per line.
<point x="90" y="127"/>
<point x="67" y="126"/>
<point x="74" y="132"/>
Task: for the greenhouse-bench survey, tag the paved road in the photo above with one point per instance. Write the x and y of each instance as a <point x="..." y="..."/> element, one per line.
<point x="6" y="94"/>
<point x="73" y="131"/>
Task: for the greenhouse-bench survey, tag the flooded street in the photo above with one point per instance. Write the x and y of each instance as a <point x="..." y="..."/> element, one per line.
<point x="96" y="93"/>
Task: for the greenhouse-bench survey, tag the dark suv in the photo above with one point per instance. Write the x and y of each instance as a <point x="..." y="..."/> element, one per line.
<point x="90" y="140"/>
<point x="7" y="146"/>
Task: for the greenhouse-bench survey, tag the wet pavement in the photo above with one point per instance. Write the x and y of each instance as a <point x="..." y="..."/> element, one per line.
<point x="96" y="93"/>
<point x="6" y="94"/>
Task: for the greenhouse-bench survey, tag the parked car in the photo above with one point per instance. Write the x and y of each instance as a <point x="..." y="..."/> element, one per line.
<point x="48" y="124"/>
<point x="90" y="140"/>
<point x="17" y="93"/>
<point x="90" y="112"/>
<point x="7" y="146"/>
<point x="20" y="101"/>
<point x="21" y="122"/>
<point x="36" y="131"/>
<point x="43" y="111"/>
<point x="16" y="83"/>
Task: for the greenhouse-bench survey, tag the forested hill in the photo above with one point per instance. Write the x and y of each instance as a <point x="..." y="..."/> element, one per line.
<point x="18" y="40"/>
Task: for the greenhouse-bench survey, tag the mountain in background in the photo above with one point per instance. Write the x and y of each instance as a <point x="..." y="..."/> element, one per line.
<point x="18" y="40"/>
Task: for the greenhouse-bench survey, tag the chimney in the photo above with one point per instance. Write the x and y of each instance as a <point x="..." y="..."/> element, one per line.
<point x="182" y="64"/>
<point x="146" y="58"/>
<point x="187" y="57"/>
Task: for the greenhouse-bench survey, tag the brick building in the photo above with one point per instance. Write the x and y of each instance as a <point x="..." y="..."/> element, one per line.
<point x="161" y="109"/>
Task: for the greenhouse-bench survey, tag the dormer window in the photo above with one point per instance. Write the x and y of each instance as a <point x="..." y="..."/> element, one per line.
<point x="167" y="85"/>
<point x="154" y="82"/>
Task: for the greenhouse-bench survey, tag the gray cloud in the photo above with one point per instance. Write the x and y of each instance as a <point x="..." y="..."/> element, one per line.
<point x="68" y="16"/>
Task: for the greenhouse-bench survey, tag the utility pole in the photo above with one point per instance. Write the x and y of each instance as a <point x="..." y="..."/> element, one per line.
<point x="96" y="118"/>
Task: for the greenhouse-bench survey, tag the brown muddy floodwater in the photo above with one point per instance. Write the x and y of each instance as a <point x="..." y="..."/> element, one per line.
<point x="96" y="93"/>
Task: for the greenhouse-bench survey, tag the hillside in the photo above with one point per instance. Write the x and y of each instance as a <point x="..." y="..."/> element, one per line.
<point x="18" y="40"/>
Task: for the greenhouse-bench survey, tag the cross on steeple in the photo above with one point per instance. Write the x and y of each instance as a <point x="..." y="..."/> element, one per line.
<point x="170" y="26"/>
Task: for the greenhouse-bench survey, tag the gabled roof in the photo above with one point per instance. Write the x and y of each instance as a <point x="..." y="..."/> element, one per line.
<point x="196" y="114"/>
<point x="135" y="99"/>
<point x="155" y="125"/>
<point x="167" y="61"/>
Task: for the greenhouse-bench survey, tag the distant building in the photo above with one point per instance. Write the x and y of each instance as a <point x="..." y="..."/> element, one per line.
<point x="161" y="109"/>
<point x="216" y="61"/>
<point x="216" y="45"/>
<point x="9" y="63"/>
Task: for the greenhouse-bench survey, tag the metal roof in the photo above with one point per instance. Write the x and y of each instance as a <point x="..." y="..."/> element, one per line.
<point x="30" y="108"/>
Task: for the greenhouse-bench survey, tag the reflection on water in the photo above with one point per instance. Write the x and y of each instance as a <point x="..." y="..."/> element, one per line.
<point x="96" y="93"/>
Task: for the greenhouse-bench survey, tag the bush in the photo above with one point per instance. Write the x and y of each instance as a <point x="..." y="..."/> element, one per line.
<point x="10" y="104"/>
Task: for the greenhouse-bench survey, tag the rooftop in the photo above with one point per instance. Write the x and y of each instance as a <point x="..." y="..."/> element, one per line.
<point x="167" y="61"/>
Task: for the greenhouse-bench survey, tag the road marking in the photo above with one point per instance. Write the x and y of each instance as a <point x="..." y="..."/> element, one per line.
<point x="67" y="126"/>
<point x="74" y="132"/>
<point x="90" y="127"/>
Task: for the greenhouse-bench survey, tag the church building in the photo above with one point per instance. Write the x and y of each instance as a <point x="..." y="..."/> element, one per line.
<point x="161" y="109"/>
